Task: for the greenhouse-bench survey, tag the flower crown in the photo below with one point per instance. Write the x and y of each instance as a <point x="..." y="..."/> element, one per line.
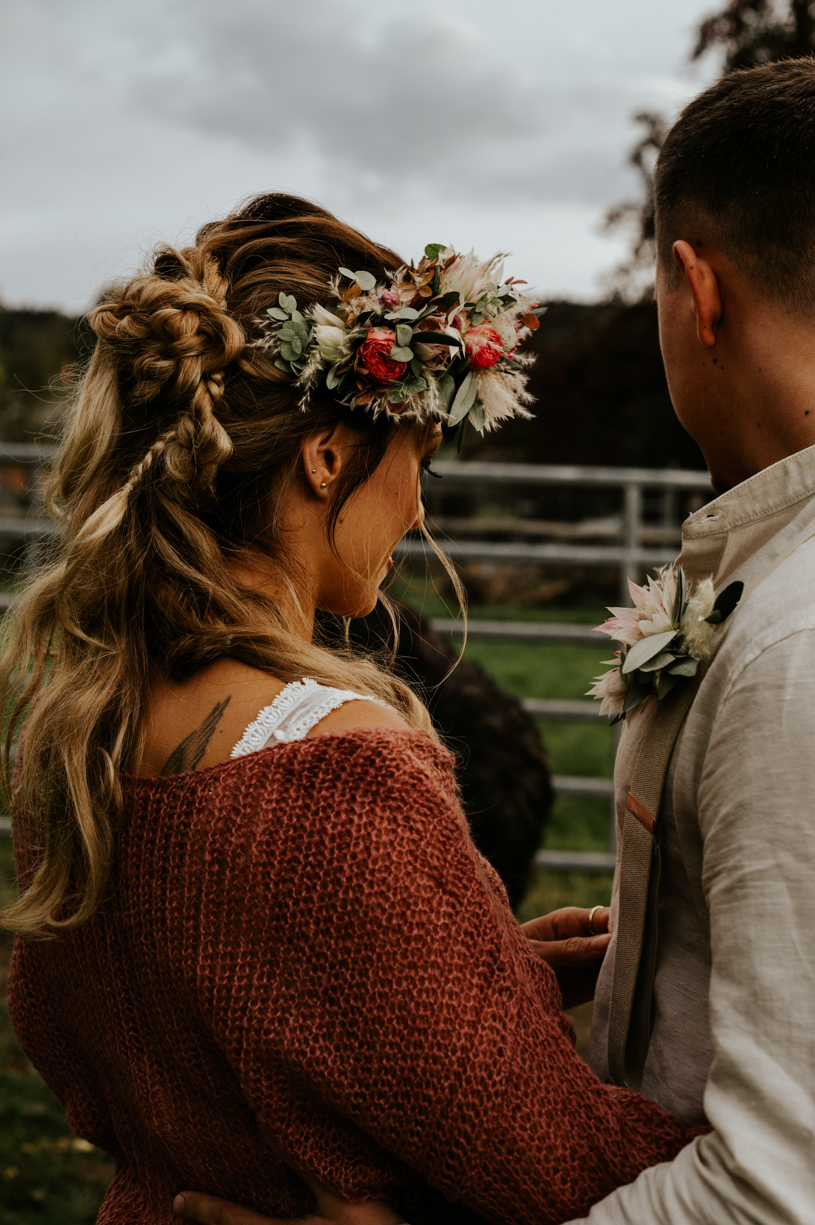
<point x="438" y="341"/>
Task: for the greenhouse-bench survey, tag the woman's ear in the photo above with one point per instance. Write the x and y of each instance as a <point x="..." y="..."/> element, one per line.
<point x="704" y="286"/>
<point x="322" y="460"/>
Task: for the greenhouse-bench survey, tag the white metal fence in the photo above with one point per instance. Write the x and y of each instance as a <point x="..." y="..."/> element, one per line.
<point x="626" y="542"/>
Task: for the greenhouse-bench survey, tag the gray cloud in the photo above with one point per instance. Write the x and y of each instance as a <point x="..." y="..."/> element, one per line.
<point x="465" y="120"/>
<point x="404" y="107"/>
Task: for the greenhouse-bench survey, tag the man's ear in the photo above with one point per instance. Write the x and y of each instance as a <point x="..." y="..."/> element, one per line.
<point x="704" y="285"/>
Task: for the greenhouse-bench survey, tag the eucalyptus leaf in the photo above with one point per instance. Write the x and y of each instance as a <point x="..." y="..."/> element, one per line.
<point x="477" y="415"/>
<point x="365" y="280"/>
<point x="288" y="303"/>
<point x="434" y="249"/>
<point x="297" y="346"/>
<point x="396" y="394"/>
<point x="450" y="298"/>
<point x="447" y="390"/>
<point x="463" y="400"/>
<point x="539" y="310"/>
<point x="287" y="352"/>
<point x="347" y="272"/>
<point x="416" y="367"/>
<point x="685" y="665"/>
<point x="297" y="317"/>
<point x="646" y="649"/>
<point x="277" y="313"/>
<point x="404" y="334"/>
<point x="400" y="353"/>
<point x="416" y="384"/>
<point x="332" y="378"/>
<point x="659" y="661"/>
<point x="281" y="365"/>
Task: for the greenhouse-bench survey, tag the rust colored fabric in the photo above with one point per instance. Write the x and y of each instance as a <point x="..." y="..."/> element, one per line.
<point x="307" y="936"/>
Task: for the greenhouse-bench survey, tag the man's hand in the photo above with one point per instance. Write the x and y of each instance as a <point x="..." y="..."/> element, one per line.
<point x="573" y="947"/>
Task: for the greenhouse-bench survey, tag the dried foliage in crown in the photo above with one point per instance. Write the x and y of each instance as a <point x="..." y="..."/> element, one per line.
<point x="439" y="341"/>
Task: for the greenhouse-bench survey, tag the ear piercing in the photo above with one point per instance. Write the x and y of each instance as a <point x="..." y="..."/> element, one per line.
<point x="323" y="485"/>
<point x="313" y="471"/>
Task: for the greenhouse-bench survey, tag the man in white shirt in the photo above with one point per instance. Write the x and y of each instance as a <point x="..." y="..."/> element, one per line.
<point x="733" y="1041"/>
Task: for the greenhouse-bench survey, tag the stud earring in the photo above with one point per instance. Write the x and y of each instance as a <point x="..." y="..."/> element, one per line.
<point x="323" y="485"/>
<point x="313" y="471"/>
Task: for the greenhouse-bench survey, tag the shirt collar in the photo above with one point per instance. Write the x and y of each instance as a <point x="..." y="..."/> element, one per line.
<point x="774" y="489"/>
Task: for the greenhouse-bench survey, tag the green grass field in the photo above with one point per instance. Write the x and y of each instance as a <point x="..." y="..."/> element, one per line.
<point x="49" y="1177"/>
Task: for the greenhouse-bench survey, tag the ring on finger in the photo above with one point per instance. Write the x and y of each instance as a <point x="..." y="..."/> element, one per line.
<point x="592" y="913"/>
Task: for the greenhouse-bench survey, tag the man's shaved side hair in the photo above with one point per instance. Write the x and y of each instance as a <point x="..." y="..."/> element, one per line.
<point x="737" y="173"/>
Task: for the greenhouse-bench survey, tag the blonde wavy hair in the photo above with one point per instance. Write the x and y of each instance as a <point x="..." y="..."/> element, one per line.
<point x="181" y="444"/>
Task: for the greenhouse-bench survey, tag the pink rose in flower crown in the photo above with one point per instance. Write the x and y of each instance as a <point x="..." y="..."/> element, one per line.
<point x="484" y="347"/>
<point x="373" y="355"/>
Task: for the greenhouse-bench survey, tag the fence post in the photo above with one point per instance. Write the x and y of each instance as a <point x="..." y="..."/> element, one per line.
<point x="632" y="525"/>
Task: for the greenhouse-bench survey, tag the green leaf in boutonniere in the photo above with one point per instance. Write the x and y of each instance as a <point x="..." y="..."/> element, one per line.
<point x="664" y="684"/>
<point x="726" y="602"/>
<point x="646" y="649"/>
<point x="686" y="665"/>
<point x="635" y="696"/>
<point x="658" y="662"/>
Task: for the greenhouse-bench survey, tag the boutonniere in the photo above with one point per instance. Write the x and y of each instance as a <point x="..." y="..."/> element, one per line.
<point x="665" y="636"/>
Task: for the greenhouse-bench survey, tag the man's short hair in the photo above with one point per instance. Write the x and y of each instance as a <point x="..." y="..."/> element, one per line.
<point x="737" y="172"/>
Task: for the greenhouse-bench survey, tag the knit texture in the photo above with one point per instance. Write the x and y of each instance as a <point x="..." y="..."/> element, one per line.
<point x="306" y="936"/>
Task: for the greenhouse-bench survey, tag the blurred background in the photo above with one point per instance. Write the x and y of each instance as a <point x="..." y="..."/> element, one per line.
<point x="529" y="126"/>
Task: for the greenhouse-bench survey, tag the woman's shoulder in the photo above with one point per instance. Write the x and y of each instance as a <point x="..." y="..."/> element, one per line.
<point x="373" y="747"/>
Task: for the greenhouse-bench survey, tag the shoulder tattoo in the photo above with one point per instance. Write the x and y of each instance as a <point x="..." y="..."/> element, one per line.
<point x="188" y="754"/>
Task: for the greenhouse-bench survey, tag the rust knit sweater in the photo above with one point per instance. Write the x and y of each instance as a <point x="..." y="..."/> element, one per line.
<point x="307" y="936"/>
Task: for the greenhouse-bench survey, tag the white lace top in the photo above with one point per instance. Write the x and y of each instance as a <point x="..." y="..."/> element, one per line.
<point x="294" y="712"/>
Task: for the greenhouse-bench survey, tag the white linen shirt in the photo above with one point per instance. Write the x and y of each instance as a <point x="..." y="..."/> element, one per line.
<point x="734" y="1033"/>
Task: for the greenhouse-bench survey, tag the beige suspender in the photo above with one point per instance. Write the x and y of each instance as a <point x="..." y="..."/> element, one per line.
<point x="632" y="984"/>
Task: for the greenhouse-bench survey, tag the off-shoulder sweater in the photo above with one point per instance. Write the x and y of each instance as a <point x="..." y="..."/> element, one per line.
<point x="307" y="937"/>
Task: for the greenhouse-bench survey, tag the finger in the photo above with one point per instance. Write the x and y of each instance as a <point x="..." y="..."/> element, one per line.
<point x="576" y="951"/>
<point x="566" y="922"/>
<point x="209" y="1210"/>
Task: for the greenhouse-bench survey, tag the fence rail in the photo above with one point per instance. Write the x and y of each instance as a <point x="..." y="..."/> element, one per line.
<point x="637" y="546"/>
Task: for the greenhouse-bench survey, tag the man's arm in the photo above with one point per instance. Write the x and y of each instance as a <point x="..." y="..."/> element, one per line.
<point x="756" y="808"/>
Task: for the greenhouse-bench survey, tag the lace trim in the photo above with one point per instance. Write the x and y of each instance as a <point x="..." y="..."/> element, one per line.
<point x="313" y="715"/>
<point x="261" y="728"/>
<point x="270" y="721"/>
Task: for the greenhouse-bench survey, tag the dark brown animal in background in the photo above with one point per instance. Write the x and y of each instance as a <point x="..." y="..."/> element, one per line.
<point x="503" y="771"/>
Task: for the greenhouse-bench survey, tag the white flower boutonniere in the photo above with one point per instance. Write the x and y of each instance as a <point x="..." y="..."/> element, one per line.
<point x="665" y="636"/>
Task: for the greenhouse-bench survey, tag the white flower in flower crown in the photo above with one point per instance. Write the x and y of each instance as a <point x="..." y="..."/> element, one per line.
<point x="611" y="687"/>
<point x="330" y="334"/>
<point x="469" y="276"/>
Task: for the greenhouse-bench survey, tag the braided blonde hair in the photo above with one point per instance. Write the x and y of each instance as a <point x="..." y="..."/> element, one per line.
<point x="180" y="447"/>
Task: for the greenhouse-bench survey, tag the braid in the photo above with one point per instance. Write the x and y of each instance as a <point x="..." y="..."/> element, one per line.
<point x="173" y="337"/>
<point x="146" y="462"/>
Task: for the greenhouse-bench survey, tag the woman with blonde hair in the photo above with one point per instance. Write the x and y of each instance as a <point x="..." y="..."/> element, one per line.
<point x="252" y="924"/>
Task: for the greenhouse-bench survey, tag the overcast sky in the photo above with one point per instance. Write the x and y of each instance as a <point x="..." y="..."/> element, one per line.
<point x="498" y="124"/>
